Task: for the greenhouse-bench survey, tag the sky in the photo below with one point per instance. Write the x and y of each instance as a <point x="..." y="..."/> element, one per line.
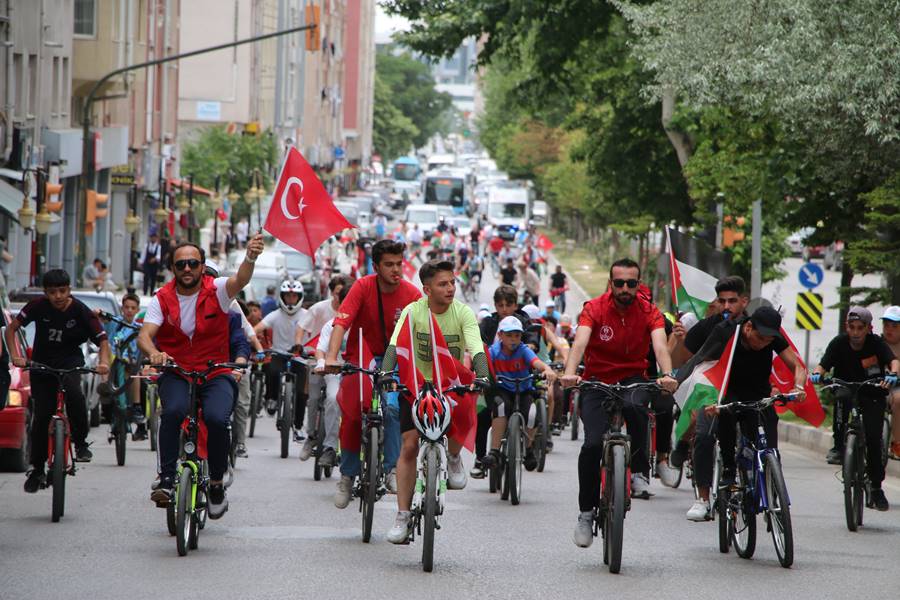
<point x="386" y="25"/>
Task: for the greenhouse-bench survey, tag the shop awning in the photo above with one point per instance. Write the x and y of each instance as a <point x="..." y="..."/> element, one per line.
<point x="10" y="200"/>
<point x="184" y="185"/>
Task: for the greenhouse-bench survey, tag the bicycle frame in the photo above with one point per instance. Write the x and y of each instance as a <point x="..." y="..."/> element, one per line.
<point x="60" y="415"/>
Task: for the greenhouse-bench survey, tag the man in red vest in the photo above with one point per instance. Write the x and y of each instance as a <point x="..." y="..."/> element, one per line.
<point x="187" y="322"/>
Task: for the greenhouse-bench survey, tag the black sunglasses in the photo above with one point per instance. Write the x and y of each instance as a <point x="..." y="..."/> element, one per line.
<point x="631" y="283"/>
<point x="189" y="263"/>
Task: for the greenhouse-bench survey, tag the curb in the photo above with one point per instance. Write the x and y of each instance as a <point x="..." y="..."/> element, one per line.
<point x="819" y="441"/>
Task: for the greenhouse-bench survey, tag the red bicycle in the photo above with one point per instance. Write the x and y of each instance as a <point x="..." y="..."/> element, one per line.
<point x="60" y="447"/>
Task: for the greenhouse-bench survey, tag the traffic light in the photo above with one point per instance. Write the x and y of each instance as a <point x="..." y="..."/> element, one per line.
<point x="313" y="35"/>
<point x="93" y="213"/>
<point x="50" y="190"/>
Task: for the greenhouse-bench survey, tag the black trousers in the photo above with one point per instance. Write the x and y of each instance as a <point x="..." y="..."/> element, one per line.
<point x="43" y="397"/>
<point x="273" y="372"/>
<point x="150" y="273"/>
<point x="662" y="405"/>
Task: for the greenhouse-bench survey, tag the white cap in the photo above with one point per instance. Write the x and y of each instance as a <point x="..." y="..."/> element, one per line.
<point x="211" y="265"/>
<point x="484" y="306"/>
<point x="482" y="314"/>
<point x="550" y="304"/>
<point x="891" y="313"/>
<point x="532" y="311"/>
<point x="510" y="324"/>
<point x="565" y="318"/>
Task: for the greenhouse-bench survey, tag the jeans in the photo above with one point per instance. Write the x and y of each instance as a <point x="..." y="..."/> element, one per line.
<point x="350" y="461"/>
<point x="596" y="423"/>
<point x="216" y="398"/>
<point x="332" y="414"/>
<point x="43" y="394"/>
<point x="242" y="409"/>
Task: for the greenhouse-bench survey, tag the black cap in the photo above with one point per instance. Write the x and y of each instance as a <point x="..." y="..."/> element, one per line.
<point x="767" y="321"/>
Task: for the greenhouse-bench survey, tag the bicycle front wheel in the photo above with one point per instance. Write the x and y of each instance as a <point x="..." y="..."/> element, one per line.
<point x="743" y="525"/>
<point x="852" y="469"/>
<point x="58" y="470"/>
<point x="514" y="443"/>
<point x="255" y="399"/>
<point x="543" y="434"/>
<point x="720" y="505"/>
<point x="121" y="433"/>
<point x="370" y="480"/>
<point x="615" y="509"/>
<point x="430" y="508"/>
<point x="152" y="416"/>
<point x="287" y="418"/>
<point x="576" y="414"/>
<point x="184" y="507"/>
<point x="779" y="511"/>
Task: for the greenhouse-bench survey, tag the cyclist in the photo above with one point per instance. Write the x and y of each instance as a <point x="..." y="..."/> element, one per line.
<point x="550" y="311"/>
<point x="529" y="283"/>
<point x="62" y="323"/>
<point x="476" y="267"/>
<point x="415" y="240"/>
<point x="131" y="305"/>
<point x="374" y="305"/>
<point x="891" y="333"/>
<point x="460" y="329"/>
<point x="508" y="273"/>
<point x="317" y="317"/>
<point x="512" y="358"/>
<point x="283" y="324"/>
<point x="558" y="286"/>
<point x="758" y="342"/>
<point x="187" y="321"/>
<point x="614" y="331"/>
<point x="858" y="355"/>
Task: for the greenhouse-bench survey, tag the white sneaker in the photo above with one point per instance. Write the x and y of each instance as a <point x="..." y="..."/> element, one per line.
<point x="457" y="479"/>
<point x="699" y="511"/>
<point x="667" y="475"/>
<point x="399" y="533"/>
<point x="584" y="530"/>
<point x="306" y="449"/>
<point x="390" y="481"/>
<point x="342" y="495"/>
<point x="640" y="486"/>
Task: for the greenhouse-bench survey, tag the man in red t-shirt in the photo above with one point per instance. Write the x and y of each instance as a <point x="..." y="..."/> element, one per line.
<point x="374" y="304"/>
<point x="613" y="334"/>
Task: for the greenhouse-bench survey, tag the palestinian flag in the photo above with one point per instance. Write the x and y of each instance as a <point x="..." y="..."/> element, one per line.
<point x="705" y="386"/>
<point x="690" y="263"/>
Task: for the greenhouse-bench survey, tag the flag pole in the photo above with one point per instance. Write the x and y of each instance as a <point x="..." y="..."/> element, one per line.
<point x="412" y="353"/>
<point x="434" y="354"/>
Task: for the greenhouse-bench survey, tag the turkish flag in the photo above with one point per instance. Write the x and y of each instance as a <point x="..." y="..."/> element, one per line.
<point x="409" y="271"/>
<point x="447" y="371"/>
<point x="544" y="243"/>
<point x="302" y="214"/>
<point x="810" y="410"/>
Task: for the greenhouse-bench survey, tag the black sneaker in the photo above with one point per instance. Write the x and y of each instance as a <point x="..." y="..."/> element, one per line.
<point x="679" y="454"/>
<point x="477" y="471"/>
<point x="35" y="481"/>
<point x="530" y="461"/>
<point x="299" y="436"/>
<point x="491" y="459"/>
<point x="835" y="456"/>
<point x="272" y="407"/>
<point x="163" y="492"/>
<point x="878" y="500"/>
<point x="137" y="415"/>
<point x="218" y="502"/>
<point x="140" y="433"/>
<point x="83" y="454"/>
<point x="240" y="451"/>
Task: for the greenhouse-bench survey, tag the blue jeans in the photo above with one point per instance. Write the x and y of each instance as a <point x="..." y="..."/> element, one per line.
<point x="350" y="462"/>
<point x="216" y="398"/>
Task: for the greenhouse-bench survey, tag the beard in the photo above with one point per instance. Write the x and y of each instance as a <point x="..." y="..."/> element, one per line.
<point x="191" y="285"/>
<point x="624" y="298"/>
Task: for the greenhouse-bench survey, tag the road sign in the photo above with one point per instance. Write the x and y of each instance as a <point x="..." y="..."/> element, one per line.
<point x="809" y="310"/>
<point x="811" y="275"/>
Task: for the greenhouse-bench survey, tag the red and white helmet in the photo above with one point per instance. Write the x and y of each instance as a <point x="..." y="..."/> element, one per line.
<point x="431" y="413"/>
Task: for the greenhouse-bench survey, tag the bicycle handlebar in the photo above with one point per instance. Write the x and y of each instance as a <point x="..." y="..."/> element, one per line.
<point x="36" y="366"/>
<point x="211" y="366"/>
<point x="111" y="317"/>
<point x="616" y="387"/>
<point x="834" y="382"/>
<point x="761" y="404"/>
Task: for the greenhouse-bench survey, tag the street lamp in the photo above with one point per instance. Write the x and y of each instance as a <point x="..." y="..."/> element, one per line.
<point x="132" y="222"/>
<point x="160" y="214"/>
<point x="26" y="214"/>
<point x="42" y="221"/>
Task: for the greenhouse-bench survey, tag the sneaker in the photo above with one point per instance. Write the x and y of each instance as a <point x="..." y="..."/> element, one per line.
<point x="218" y="501"/>
<point x="530" y="460"/>
<point x="879" y="500"/>
<point x="83" y="454"/>
<point x="477" y="471"/>
<point x="240" y="451"/>
<point x="835" y="456"/>
<point x="399" y="533"/>
<point x="328" y="458"/>
<point x="299" y="436"/>
<point x="307" y="449"/>
<point x="272" y="407"/>
<point x="679" y="454"/>
<point x="667" y="475"/>
<point x="457" y="477"/>
<point x="163" y="492"/>
<point x="584" y="530"/>
<point x="344" y="489"/>
<point x="390" y="481"/>
<point x="140" y="433"/>
<point x="137" y="415"/>
<point x="699" y="511"/>
<point x="34" y="481"/>
<point x="491" y="459"/>
<point x="640" y="486"/>
<point x="549" y="445"/>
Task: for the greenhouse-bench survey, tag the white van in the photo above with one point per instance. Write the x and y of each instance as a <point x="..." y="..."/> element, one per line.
<point x="508" y="209"/>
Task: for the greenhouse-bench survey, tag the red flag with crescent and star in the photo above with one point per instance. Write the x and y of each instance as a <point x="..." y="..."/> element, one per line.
<point x="302" y="214"/>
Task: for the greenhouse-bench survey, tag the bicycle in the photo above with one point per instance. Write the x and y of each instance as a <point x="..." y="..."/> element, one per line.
<point x="506" y="473"/>
<point x="257" y="386"/>
<point x="615" y="471"/>
<point x="115" y="391"/>
<point x="187" y="515"/>
<point x="60" y="449"/>
<point x="319" y="436"/>
<point x="152" y="410"/>
<point x="759" y="487"/>
<point x="857" y="487"/>
<point x="285" y="412"/>
<point x="573" y="402"/>
<point x="369" y="486"/>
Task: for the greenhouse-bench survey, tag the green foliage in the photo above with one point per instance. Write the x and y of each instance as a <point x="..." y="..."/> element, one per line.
<point x="412" y="92"/>
<point x="232" y="157"/>
<point x="393" y="133"/>
<point x="878" y="249"/>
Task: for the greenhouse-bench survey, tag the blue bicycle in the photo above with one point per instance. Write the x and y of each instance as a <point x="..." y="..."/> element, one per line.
<point x="759" y="487"/>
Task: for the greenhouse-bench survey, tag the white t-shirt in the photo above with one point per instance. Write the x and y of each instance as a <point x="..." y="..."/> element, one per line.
<point x="415" y="236"/>
<point x="325" y="336"/>
<point x="284" y="327"/>
<point x="316" y="317"/>
<point x="188" y="307"/>
<point x="245" y="324"/>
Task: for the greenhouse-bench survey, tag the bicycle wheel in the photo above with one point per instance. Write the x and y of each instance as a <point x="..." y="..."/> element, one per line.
<point x="58" y="470"/>
<point x="885" y="439"/>
<point x="430" y="508"/>
<point x="543" y="434"/>
<point x="514" y="458"/>
<point x="255" y="399"/>
<point x="320" y="443"/>
<point x="720" y="505"/>
<point x="853" y="486"/>
<point x="183" y="511"/>
<point x="576" y="414"/>
<point x="287" y="418"/>
<point x="170" y="518"/>
<point x="372" y="465"/>
<point x="120" y="430"/>
<point x="779" y="511"/>
<point x="152" y="415"/>
<point x="743" y="525"/>
<point x="615" y="511"/>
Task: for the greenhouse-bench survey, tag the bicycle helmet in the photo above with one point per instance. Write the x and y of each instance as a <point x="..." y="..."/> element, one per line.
<point x="287" y="286"/>
<point x="431" y="413"/>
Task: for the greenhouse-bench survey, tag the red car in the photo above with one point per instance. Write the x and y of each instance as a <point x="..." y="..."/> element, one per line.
<point x="14" y="443"/>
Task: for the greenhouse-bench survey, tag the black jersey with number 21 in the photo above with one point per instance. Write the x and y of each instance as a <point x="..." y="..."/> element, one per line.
<point x="58" y="334"/>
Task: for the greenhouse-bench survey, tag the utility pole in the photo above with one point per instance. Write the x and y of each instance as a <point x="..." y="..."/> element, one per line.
<point x="756" y="252"/>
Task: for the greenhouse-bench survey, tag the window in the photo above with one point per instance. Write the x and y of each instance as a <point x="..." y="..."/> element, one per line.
<point x="65" y="91"/>
<point x="54" y="99"/>
<point x="32" y="84"/>
<point x="86" y="18"/>
<point x="19" y="73"/>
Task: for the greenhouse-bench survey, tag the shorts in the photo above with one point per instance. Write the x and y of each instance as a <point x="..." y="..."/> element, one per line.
<point x="504" y="400"/>
<point x="406" y="420"/>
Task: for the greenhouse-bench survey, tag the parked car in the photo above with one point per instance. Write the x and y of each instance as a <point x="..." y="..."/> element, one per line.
<point x="539" y="213"/>
<point x="15" y="446"/>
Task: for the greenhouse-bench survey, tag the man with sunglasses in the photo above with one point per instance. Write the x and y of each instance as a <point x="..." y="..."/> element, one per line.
<point x="614" y="332"/>
<point x="187" y="322"/>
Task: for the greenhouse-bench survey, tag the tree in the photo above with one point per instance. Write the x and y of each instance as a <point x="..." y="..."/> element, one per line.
<point x="412" y="91"/>
<point x="393" y="132"/>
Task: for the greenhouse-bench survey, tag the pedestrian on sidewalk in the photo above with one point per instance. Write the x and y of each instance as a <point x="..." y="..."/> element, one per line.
<point x="150" y="260"/>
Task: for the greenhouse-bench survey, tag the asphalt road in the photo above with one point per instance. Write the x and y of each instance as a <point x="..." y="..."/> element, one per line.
<point x="283" y="538"/>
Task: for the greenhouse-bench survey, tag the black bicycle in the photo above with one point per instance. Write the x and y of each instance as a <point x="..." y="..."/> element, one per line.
<point x="506" y="473"/>
<point x="257" y="387"/>
<point x="114" y="391"/>
<point x="285" y="412"/>
<point x="318" y="436"/>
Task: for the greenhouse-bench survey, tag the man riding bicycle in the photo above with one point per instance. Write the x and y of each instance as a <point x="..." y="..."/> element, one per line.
<point x="187" y="322"/>
<point x="62" y="323"/>
<point x="614" y="331"/>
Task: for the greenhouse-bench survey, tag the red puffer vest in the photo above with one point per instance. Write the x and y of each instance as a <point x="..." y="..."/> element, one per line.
<point x="210" y="341"/>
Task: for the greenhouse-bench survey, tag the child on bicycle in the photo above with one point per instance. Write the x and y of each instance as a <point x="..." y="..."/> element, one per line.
<point x="512" y="358"/>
